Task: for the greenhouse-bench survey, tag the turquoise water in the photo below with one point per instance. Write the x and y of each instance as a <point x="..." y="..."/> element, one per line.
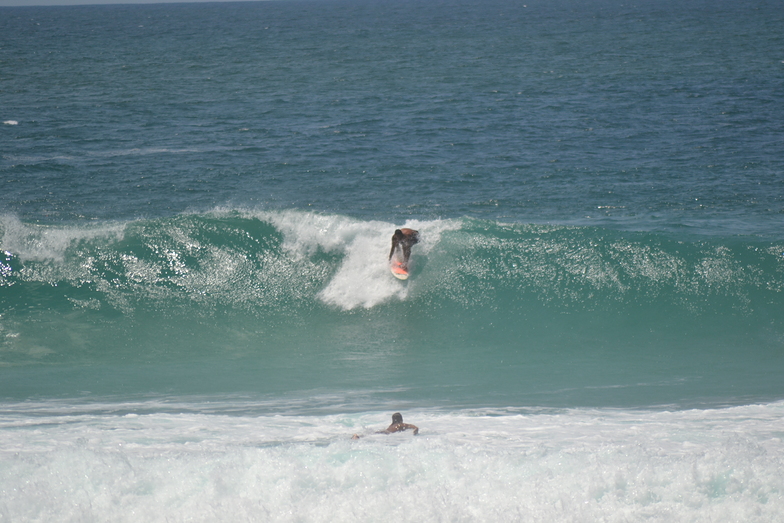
<point x="494" y="315"/>
<point x="196" y="312"/>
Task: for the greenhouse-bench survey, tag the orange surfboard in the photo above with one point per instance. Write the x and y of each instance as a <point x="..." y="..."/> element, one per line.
<point x="399" y="269"/>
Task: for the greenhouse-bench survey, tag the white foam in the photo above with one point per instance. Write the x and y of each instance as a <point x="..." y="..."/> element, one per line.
<point x="11" y="122"/>
<point x="363" y="278"/>
<point x="578" y="465"/>
<point x="44" y="243"/>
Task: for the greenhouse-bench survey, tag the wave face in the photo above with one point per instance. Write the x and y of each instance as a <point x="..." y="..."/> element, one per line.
<point x="286" y="302"/>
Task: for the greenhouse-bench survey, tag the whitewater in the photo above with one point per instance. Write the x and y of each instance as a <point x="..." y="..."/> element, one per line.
<point x="170" y="461"/>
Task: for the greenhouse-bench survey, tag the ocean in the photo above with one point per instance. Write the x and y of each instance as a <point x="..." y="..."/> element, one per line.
<point x="196" y="310"/>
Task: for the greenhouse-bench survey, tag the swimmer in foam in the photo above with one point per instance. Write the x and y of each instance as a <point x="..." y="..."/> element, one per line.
<point x="397" y="426"/>
<point x="404" y="239"/>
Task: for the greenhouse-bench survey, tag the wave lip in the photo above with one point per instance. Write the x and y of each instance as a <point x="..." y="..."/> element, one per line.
<point x="51" y="243"/>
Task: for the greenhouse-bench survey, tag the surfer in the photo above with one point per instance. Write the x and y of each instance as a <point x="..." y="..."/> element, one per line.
<point x="397" y="426"/>
<point x="404" y="238"/>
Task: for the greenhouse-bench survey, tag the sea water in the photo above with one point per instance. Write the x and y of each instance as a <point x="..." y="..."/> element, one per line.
<point x="196" y="312"/>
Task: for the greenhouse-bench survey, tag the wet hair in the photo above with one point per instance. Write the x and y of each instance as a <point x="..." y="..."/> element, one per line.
<point x="397" y="417"/>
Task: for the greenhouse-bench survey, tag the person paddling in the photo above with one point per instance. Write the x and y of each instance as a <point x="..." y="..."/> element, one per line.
<point x="397" y="426"/>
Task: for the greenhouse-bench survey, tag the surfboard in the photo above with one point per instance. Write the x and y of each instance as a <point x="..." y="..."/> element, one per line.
<point x="399" y="269"/>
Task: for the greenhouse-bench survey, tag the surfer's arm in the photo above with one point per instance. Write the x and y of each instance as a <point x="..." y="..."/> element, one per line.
<point x="394" y="246"/>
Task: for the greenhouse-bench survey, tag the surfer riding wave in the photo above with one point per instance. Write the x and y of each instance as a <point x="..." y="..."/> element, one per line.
<point x="404" y="239"/>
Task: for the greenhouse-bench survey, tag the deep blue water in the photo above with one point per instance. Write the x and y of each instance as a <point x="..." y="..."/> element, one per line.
<point x="658" y="116"/>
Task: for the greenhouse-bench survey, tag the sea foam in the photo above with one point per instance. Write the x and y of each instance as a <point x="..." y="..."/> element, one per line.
<point x="71" y="464"/>
<point x="49" y="243"/>
<point x="362" y="279"/>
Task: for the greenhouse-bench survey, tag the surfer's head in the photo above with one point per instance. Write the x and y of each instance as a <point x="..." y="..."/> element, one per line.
<point x="399" y="234"/>
<point x="397" y="417"/>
